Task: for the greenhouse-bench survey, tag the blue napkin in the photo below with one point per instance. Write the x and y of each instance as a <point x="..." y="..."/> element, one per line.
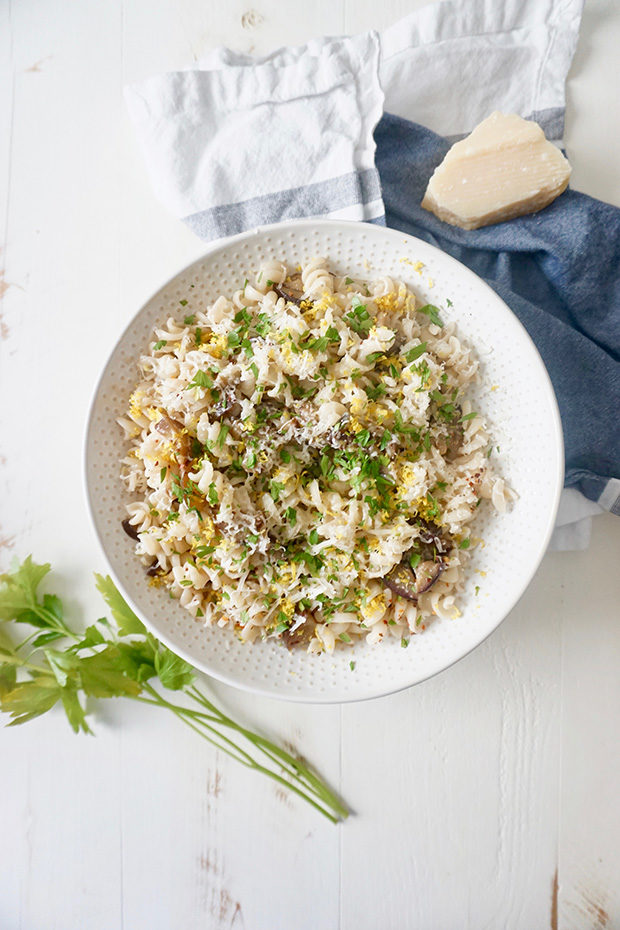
<point x="559" y="271"/>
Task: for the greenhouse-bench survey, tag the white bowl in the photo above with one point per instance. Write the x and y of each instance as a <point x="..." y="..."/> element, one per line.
<point x="515" y="395"/>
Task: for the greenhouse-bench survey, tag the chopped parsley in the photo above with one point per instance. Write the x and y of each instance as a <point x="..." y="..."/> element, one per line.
<point x="275" y="488"/>
<point x="319" y="343"/>
<point x="201" y="379"/>
<point x="432" y="313"/>
<point x="414" y="560"/>
<point x="374" y="392"/>
<point x="385" y="438"/>
<point x="359" y="319"/>
<point x="262" y="325"/>
<point x="415" y="353"/>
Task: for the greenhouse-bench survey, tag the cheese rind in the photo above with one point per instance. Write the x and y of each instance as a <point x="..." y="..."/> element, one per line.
<point x="503" y="169"/>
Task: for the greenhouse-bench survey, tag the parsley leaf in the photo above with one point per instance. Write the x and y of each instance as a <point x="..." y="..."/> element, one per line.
<point x="414" y="560"/>
<point x="173" y="671"/>
<point x="359" y="318"/>
<point x="200" y="379"/>
<point x="274" y="489"/>
<point x="416" y="352"/>
<point x="127" y="621"/>
<point x="221" y="436"/>
<point x="432" y="312"/>
<point x="121" y="661"/>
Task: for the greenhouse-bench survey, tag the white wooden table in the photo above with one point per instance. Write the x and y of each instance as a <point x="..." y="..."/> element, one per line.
<point x="485" y="798"/>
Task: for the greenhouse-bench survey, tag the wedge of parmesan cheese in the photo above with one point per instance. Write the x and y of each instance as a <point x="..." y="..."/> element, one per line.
<point x="504" y="168"/>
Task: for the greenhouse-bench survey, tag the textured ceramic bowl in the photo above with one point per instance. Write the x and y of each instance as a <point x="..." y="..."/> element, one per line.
<point x="515" y="394"/>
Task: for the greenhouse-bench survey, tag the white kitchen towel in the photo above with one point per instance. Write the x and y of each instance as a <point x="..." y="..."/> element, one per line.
<point x="241" y="141"/>
<point x="448" y="65"/>
<point x="229" y="148"/>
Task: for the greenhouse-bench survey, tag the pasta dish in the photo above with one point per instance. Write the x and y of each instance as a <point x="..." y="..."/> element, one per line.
<point x="304" y="462"/>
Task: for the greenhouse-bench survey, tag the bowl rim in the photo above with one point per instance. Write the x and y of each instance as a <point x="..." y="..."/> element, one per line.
<point x="213" y="248"/>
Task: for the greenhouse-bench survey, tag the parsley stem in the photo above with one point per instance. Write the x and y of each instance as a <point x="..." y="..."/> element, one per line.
<point x="295" y="767"/>
<point x="198" y="722"/>
<point x="187" y="712"/>
<point x="105" y="661"/>
<point x="8" y="659"/>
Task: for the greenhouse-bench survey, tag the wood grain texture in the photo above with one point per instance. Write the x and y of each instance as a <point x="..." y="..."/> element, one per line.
<point x="463" y="784"/>
<point x="471" y="792"/>
<point x="589" y="866"/>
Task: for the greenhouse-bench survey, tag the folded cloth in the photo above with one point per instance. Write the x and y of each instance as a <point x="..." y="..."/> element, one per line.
<point x="448" y="65"/>
<point x="242" y="142"/>
<point x="291" y="136"/>
<point x="558" y="270"/>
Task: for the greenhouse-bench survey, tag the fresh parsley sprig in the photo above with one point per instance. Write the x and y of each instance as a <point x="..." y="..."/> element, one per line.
<point x="56" y="665"/>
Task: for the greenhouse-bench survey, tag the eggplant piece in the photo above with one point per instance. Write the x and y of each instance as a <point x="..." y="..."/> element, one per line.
<point x="302" y="635"/>
<point x="176" y="433"/>
<point x="426" y="574"/>
<point x="295" y="292"/>
<point x="397" y="344"/>
<point x="401" y="580"/>
<point x="430" y="535"/>
<point x="130" y="529"/>
<point x="169" y="428"/>
<point x="410" y="583"/>
<point x="289" y="297"/>
<point x="449" y="443"/>
<point x="225" y="408"/>
<point x="454" y="441"/>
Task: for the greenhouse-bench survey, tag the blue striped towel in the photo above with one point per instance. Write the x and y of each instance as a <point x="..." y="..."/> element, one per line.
<point x="559" y="271"/>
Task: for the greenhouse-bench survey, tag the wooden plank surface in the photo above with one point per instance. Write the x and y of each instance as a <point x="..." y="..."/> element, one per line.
<point x="470" y="792"/>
